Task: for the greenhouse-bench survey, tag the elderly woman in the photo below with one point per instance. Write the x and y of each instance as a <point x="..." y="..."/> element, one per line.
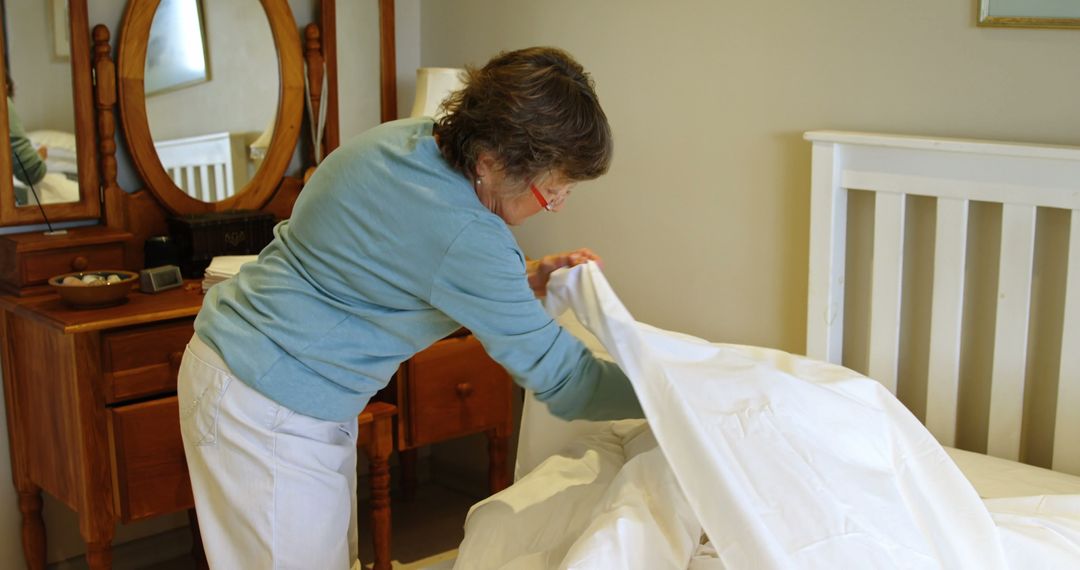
<point x="400" y="238"/>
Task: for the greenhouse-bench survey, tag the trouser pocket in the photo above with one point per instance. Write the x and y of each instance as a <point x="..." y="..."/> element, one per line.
<point x="199" y="390"/>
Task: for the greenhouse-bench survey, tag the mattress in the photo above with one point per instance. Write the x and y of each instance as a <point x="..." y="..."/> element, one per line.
<point x="995" y="478"/>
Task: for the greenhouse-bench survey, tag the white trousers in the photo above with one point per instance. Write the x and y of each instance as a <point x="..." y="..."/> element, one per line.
<point x="274" y="489"/>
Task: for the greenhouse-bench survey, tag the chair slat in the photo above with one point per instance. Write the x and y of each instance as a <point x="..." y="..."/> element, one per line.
<point x="946" y="319"/>
<point x="828" y="230"/>
<point x="885" y="293"/>
<point x="1011" y="331"/>
<point x="1067" y="428"/>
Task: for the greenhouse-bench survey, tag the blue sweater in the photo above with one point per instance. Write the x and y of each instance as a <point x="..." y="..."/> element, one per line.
<point x="389" y="250"/>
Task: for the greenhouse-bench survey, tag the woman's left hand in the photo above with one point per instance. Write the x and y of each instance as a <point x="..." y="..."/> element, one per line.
<point x="539" y="270"/>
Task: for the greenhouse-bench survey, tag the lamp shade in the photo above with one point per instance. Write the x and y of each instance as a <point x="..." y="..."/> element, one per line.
<point x="433" y="84"/>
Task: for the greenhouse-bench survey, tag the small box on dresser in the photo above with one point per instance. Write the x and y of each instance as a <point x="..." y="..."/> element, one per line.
<point x="201" y="237"/>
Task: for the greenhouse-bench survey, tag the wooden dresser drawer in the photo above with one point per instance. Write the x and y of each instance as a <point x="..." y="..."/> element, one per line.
<point x="149" y="470"/>
<point x="40" y="266"/>
<point x="453" y="388"/>
<point x="143" y="361"/>
<point x="28" y="260"/>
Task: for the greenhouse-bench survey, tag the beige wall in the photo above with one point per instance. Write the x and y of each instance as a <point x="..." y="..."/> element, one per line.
<point x="42" y="81"/>
<point x="703" y="217"/>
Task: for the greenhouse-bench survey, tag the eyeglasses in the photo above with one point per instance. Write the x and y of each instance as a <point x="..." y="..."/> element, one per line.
<point x="555" y="204"/>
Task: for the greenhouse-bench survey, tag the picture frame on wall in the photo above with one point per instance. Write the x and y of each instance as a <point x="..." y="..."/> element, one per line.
<point x="58" y="18"/>
<point x="176" y="52"/>
<point x="1029" y="13"/>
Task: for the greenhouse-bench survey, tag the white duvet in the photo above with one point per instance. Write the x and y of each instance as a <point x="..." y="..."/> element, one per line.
<point x="751" y="458"/>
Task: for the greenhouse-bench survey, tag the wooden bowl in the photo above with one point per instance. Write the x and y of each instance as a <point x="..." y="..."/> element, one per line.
<point x="101" y="293"/>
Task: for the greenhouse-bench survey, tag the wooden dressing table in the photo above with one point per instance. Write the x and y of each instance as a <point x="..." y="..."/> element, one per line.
<point x="90" y="394"/>
<point x="93" y="417"/>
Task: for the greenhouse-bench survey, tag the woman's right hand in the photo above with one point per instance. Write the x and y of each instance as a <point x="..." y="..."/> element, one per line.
<point x="540" y="270"/>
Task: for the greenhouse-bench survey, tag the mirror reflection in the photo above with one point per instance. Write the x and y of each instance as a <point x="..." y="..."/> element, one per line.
<point x="41" y="115"/>
<point x="211" y="135"/>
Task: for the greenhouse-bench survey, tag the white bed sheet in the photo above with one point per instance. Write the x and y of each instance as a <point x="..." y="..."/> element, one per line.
<point x="612" y="501"/>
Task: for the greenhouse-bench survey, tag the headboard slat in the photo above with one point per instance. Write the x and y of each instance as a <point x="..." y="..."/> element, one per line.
<point x="1067" y="428"/>
<point x="946" y="318"/>
<point x="204" y="179"/>
<point x="889" y="210"/>
<point x="222" y="184"/>
<point x="189" y="183"/>
<point x="1011" y="330"/>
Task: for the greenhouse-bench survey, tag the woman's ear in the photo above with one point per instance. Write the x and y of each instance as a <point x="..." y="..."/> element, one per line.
<point x="486" y="165"/>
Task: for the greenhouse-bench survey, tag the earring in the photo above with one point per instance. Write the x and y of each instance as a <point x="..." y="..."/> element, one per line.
<point x="479" y="181"/>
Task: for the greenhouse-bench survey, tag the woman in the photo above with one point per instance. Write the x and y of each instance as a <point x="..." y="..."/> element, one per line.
<point x="398" y="239"/>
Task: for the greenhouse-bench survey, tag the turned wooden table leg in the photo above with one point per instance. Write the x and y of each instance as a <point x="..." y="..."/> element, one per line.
<point x="98" y="532"/>
<point x="376" y="439"/>
<point x="99" y="555"/>
<point x="33" y="527"/>
<point x="498" y="473"/>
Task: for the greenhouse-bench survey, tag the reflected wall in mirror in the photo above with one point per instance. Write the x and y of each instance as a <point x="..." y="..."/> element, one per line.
<point x="210" y="150"/>
<point x="41" y="119"/>
<point x="176" y="52"/>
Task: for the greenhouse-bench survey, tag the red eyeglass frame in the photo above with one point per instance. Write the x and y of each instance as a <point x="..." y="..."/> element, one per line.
<point x="540" y="198"/>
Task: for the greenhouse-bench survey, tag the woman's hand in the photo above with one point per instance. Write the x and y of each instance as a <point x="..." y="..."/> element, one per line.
<point x="539" y="270"/>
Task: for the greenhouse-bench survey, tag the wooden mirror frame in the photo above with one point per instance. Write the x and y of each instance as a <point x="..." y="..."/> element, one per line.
<point x="131" y="63"/>
<point x="89" y="204"/>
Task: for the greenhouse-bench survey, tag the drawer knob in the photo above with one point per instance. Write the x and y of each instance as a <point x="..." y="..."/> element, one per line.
<point x="80" y="263"/>
<point x="174" y="359"/>
<point x="465" y="389"/>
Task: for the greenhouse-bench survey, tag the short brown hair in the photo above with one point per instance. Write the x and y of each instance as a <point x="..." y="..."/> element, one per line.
<point x="535" y="109"/>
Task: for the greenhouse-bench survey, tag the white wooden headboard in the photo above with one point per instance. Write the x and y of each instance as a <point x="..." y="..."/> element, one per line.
<point x="1022" y="178"/>
<point x="207" y="167"/>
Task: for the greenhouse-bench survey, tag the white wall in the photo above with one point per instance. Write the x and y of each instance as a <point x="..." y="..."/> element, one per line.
<point x="703" y="217"/>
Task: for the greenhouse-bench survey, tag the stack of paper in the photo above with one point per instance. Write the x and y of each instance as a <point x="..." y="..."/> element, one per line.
<point x="223" y="267"/>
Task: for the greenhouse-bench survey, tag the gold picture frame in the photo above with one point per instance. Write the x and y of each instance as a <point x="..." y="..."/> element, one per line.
<point x="176" y="55"/>
<point x="1029" y="13"/>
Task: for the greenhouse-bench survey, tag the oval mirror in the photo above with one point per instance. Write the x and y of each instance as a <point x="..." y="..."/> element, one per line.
<point x="211" y="99"/>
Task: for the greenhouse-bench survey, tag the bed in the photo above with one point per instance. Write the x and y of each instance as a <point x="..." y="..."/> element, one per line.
<point x="872" y="197"/>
